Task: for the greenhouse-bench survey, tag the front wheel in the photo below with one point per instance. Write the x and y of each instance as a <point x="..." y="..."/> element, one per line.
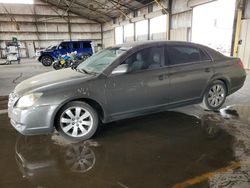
<point x="46" y="60"/>
<point x="214" y="96"/>
<point x="77" y="121"/>
<point x="56" y="65"/>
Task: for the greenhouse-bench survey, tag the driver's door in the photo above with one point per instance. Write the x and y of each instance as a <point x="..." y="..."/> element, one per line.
<point x="138" y="90"/>
<point x="125" y="93"/>
<point x="64" y="48"/>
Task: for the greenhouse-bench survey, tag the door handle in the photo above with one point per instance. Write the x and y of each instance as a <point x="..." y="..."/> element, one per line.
<point x="207" y="69"/>
<point x="161" y="77"/>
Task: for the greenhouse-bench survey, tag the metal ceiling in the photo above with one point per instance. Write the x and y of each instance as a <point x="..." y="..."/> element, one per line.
<point x="99" y="10"/>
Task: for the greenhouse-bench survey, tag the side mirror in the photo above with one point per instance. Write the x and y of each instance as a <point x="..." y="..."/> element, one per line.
<point x="121" y="69"/>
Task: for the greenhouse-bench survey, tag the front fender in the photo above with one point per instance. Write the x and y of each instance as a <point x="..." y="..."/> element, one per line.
<point x="47" y="54"/>
<point x="74" y="98"/>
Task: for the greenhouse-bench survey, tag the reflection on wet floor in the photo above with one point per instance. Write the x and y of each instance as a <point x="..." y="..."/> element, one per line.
<point x="160" y="150"/>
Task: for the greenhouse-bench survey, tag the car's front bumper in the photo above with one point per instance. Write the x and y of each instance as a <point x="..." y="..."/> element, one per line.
<point x="33" y="120"/>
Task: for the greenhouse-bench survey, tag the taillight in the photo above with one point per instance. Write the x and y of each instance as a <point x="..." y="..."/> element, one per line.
<point x="240" y="63"/>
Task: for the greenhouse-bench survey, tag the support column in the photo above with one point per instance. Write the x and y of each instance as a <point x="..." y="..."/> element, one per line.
<point x="169" y="18"/>
<point x="69" y="27"/>
<point x="149" y="37"/>
<point x="102" y="35"/>
<point x="237" y="33"/>
<point x="134" y="32"/>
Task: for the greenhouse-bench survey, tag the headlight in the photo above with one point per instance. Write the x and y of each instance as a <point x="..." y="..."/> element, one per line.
<point x="28" y="100"/>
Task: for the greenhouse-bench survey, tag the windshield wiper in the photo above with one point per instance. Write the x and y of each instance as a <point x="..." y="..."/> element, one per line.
<point x="85" y="71"/>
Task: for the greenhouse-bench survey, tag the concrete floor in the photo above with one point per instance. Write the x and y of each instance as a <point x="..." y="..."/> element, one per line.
<point x="185" y="147"/>
<point x="11" y="75"/>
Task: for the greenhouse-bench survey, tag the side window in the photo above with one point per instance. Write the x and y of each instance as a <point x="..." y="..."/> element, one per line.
<point x="185" y="54"/>
<point x="204" y="56"/>
<point x="146" y="59"/>
<point x="64" y="45"/>
<point x="76" y="45"/>
<point x="86" y="45"/>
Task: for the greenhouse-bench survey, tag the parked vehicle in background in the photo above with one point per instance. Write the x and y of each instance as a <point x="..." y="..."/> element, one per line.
<point x="39" y="52"/>
<point x="69" y="60"/>
<point x="48" y="56"/>
<point x="121" y="82"/>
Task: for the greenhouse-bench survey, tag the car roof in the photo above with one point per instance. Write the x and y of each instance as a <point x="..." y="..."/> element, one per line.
<point x="155" y="42"/>
<point x="76" y="41"/>
<point x="144" y="44"/>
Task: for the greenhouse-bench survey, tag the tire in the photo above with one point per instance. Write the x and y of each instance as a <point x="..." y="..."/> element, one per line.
<point x="214" y="96"/>
<point x="56" y="66"/>
<point x="70" y="118"/>
<point x="79" y="158"/>
<point x="47" y="60"/>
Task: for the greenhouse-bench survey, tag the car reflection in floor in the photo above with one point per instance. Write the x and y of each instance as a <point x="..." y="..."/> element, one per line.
<point x="153" y="151"/>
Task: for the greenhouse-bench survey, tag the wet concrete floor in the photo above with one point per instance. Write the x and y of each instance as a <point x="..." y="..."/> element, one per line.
<point x="169" y="149"/>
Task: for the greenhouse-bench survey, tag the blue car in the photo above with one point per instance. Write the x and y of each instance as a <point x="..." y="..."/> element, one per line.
<point x="83" y="48"/>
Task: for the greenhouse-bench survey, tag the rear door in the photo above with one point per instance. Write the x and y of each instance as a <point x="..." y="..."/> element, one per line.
<point x="87" y="48"/>
<point x="190" y="69"/>
<point x="76" y="46"/>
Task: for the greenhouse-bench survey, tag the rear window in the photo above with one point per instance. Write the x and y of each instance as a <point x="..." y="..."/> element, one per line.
<point x="86" y="44"/>
<point x="185" y="54"/>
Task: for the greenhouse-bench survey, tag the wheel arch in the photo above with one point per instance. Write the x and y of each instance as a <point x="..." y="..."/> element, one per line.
<point x="93" y="103"/>
<point x="223" y="79"/>
<point x="226" y="82"/>
<point x="40" y="58"/>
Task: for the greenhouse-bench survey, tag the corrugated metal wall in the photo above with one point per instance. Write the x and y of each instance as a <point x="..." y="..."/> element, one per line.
<point x="181" y="21"/>
<point x="40" y="25"/>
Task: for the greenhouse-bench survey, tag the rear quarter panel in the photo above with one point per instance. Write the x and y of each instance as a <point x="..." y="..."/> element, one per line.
<point x="229" y="71"/>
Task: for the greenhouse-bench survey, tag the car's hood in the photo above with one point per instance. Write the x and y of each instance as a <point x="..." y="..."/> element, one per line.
<point x="50" y="79"/>
<point x="47" y="50"/>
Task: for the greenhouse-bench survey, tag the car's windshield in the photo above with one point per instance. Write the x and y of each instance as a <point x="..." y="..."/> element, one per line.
<point x="101" y="60"/>
<point x="51" y="47"/>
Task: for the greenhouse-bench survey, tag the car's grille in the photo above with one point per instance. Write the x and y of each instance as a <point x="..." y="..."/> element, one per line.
<point x="12" y="99"/>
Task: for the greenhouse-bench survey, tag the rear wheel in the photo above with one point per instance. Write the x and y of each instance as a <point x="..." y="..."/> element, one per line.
<point x="214" y="96"/>
<point x="77" y="121"/>
<point x="46" y="60"/>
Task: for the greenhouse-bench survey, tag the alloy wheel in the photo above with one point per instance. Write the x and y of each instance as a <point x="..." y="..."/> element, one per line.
<point x="76" y="121"/>
<point x="216" y="95"/>
<point x="80" y="158"/>
<point x="47" y="61"/>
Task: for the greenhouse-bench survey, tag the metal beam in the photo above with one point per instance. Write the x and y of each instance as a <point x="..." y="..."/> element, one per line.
<point x="123" y="5"/>
<point x="52" y="32"/>
<point x="58" y="3"/>
<point x="92" y="9"/>
<point x="40" y="22"/>
<point x="37" y="30"/>
<point x="118" y="8"/>
<point x="80" y="15"/>
<point x="69" y="6"/>
<point x="162" y="6"/>
<point x="12" y="19"/>
<point x="102" y="35"/>
<point x="54" y="9"/>
<point x="69" y="27"/>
